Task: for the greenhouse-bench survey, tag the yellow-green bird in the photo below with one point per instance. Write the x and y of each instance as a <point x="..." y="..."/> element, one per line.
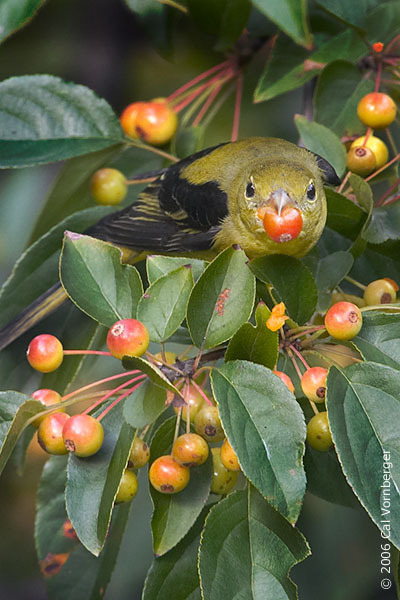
<point x="211" y="200"/>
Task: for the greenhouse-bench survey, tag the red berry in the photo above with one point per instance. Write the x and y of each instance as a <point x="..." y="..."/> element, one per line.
<point x="154" y="122"/>
<point x="128" y="118"/>
<point x="228" y="457"/>
<point x="313" y="383"/>
<point x="47" y="398"/>
<point x="108" y="186"/>
<point x="168" y="476"/>
<point x="128" y="487"/>
<point x="83" y="435"/>
<point x="376" y="110"/>
<point x="286" y="379"/>
<point x="128" y="337"/>
<point x="285" y="226"/>
<point x="343" y="320"/>
<point x="140" y="454"/>
<point x="190" y="450"/>
<point x="50" y="433"/>
<point x="45" y="353"/>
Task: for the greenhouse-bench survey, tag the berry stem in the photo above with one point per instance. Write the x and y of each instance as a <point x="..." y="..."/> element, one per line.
<point x="355" y="282"/>
<point x="383" y="307"/>
<point x="99" y="382"/>
<point x="163" y="362"/>
<point x="112" y="392"/>
<point x="143" y="146"/>
<point x="392" y="143"/>
<point x="345" y="180"/>
<point x="178" y="421"/>
<point x="72" y="352"/>
<point x="185" y="397"/>
<point x="391" y="200"/>
<point x="217" y="105"/>
<point x="389" y="191"/>
<point x="378" y="76"/>
<point x="213" y="93"/>
<point x="388" y="164"/>
<point x="238" y="104"/>
<point x="298" y="331"/>
<point x="299" y="355"/>
<point x="197" y="79"/>
<point x="309" y="341"/>
<point x="225" y="75"/>
<point x="198" y="388"/>
<point x="117" y="400"/>
<point x="368" y="133"/>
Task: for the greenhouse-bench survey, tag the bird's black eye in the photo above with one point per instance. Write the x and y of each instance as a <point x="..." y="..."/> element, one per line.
<point x="311" y="192"/>
<point x="250" y="190"/>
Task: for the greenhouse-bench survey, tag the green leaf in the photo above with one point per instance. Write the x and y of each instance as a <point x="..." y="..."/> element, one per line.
<point x="224" y="19"/>
<point x="15" y="14"/>
<point x="257" y="343"/>
<point x="44" y="119"/>
<point x="351" y="13"/>
<point x="365" y="199"/>
<point x="157" y="266"/>
<point x="247" y="550"/>
<point x="290" y="16"/>
<point x="145" y="404"/>
<point x="338" y="91"/>
<point x="325" y="478"/>
<point x="344" y="216"/>
<point x="379" y="338"/>
<point x="383" y="21"/>
<point x="384" y="225"/>
<point x="289" y="67"/>
<point x="364" y="410"/>
<point x="265" y="426"/>
<point x="162" y="308"/>
<point x="174" y="514"/>
<point x="96" y="281"/>
<point x="177" y="570"/>
<point x="330" y="272"/>
<point x="83" y="575"/>
<point x="154" y="17"/>
<point x="188" y="140"/>
<point x="221" y="300"/>
<point x="322" y="141"/>
<point x="131" y="363"/>
<point x="15" y="410"/>
<point x="292" y="284"/>
<point x="93" y="482"/>
<point x="37" y="269"/>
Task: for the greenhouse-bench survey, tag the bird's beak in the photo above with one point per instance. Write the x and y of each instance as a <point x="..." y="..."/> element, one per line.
<point x="277" y="200"/>
<point x="282" y="219"/>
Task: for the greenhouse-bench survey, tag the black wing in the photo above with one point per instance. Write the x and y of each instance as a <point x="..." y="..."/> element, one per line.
<point x="170" y="215"/>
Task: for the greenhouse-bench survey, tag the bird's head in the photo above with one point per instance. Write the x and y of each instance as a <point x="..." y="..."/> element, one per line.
<point x="280" y="206"/>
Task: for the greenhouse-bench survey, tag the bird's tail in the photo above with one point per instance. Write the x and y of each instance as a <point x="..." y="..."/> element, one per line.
<point x="32" y="314"/>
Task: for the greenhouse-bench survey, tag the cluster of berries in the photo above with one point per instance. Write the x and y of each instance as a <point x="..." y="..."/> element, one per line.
<point x="369" y="153"/>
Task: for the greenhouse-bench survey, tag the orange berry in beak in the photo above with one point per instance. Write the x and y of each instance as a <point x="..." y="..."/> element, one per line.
<point x="285" y="226"/>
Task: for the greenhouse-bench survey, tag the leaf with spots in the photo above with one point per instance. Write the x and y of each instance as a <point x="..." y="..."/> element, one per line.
<point x="221" y="300"/>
